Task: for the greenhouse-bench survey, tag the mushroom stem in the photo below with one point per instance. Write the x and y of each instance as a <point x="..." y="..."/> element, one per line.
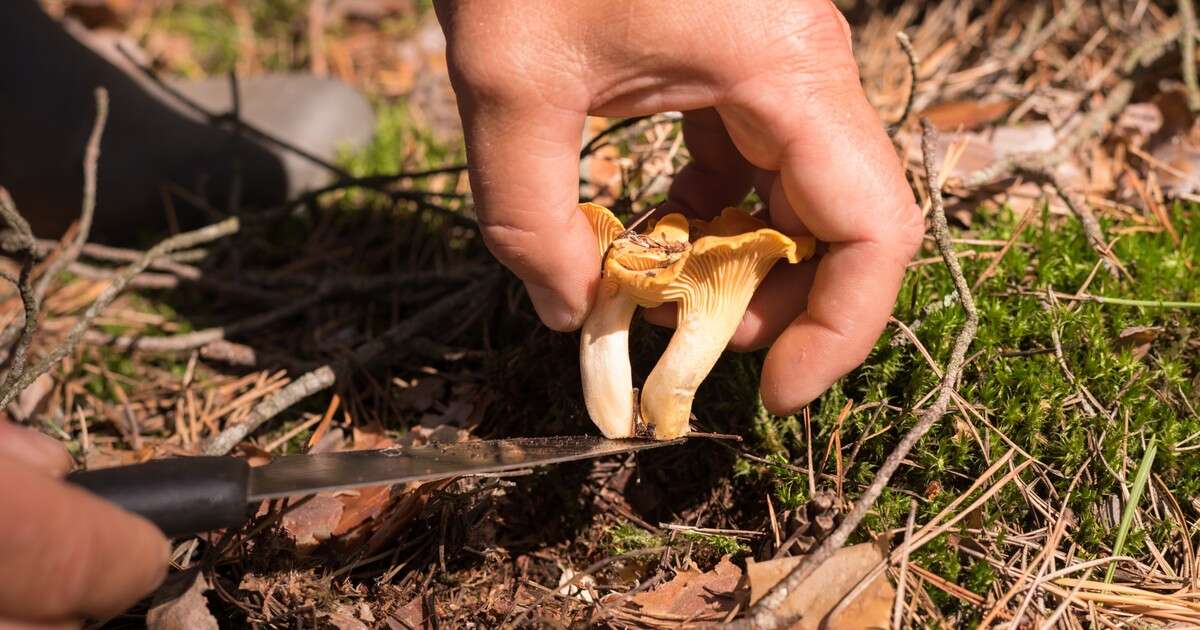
<point x="701" y="333"/>
<point x="604" y="362"/>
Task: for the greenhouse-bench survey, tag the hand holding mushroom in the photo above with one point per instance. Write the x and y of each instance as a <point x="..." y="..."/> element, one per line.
<point x="771" y="102"/>
<point x="711" y="279"/>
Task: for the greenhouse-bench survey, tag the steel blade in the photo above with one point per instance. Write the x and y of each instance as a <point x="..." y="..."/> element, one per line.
<point x="305" y="474"/>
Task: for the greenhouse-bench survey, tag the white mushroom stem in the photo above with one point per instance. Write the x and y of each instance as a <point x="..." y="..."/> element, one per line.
<point x="697" y="343"/>
<point x="604" y="362"/>
<point x="709" y="314"/>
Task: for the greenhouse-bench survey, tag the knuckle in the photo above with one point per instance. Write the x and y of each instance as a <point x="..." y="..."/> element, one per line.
<point x="910" y="229"/>
<point x="509" y="243"/>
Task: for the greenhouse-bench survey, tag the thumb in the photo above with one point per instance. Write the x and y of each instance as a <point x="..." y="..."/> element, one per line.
<point x="33" y="449"/>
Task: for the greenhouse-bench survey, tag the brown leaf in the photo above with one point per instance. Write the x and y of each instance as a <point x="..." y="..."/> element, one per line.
<point x="28" y="401"/>
<point x="361" y="505"/>
<point x="314" y="521"/>
<point x="410" y="615"/>
<point x="180" y="604"/>
<point x="693" y="593"/>
<point x="817" y="596"/>
<point x="1139" y="338"/>
<point x="344" y="619"/>
<point x="951" y="116"/>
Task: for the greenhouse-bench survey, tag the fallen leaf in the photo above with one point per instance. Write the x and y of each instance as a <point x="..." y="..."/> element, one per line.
<point x="28" y="401"/>
<point x="825" y="588"/>
<point x="1139" y="338"/>
<point x="410" y="615"/>
<point x="361" y="505"/>
<point x="953" y="115"/>
<point x="315" y="521"/>
<point x="694" y="594"/>
<point x="180" y="604"/>
<point x="344" y="619"/>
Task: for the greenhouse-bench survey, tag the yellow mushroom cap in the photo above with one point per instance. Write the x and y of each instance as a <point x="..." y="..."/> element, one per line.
<point x="604" y="223"/>
<point x="645" y="265"/>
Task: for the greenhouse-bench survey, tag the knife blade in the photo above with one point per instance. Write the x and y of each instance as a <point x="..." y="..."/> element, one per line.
<point x="189" y="495"/>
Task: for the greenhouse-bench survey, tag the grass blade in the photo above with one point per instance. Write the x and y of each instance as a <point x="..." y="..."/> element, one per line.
<point x="1135" y="496"/>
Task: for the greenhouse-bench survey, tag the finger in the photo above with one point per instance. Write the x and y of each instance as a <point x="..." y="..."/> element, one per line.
<point x="523" y="152"/>
<point x="76" y="556"/>
<point x="781" y="298"/>
<point x="841" y="178"/>
<point x="717" y="175"/>
<point x="33" y="449"/>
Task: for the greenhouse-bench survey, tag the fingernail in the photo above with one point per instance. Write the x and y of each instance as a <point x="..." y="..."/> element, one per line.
<point x="555" y="313"/>
<point x="33" y="449"/>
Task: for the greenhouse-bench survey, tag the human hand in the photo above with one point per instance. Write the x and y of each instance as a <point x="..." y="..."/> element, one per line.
<point x="771" y="100"/>
<point x="65" y="555"/>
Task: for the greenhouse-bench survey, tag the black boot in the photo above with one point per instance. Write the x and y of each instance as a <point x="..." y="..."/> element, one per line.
<point x="47" y="107"/>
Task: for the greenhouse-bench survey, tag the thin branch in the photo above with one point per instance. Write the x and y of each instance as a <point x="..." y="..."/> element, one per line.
<point x="1187" y="41"/>
<point x="91" y="158"/>
<point x="914" y="65"/>
<point x="324" y="377"/>
<point x="902" y="580"/>
<point x="24" y="284"/>
<point x="762" y="615"/>
<point x="110" y="293"/>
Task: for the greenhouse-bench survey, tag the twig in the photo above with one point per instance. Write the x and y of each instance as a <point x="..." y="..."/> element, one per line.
<point x="1091" y="227"/>
<point x="110" y="293"/>
<point x="762" y="615"/>
<point x="196" y="339"/>
<point x="91" y="158"/>
<point x="914" y="65"/>
<point x="898" y="606"/>
<point x="29" y="301"/>
<point x="597" y="141"/>
<point x="324" y="377"/>
<point x="1187" y="41"/>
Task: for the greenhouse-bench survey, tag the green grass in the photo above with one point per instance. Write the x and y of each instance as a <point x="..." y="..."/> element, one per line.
<point x="1018" y="386"/>
<point x="626" y="537"/>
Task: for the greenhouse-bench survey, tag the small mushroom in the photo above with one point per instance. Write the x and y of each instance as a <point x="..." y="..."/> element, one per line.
<point x="637" y="267"/>
<point x="727" y="262"/>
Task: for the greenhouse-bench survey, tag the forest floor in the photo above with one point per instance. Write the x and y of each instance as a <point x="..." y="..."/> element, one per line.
<point x="1061" y="489"/>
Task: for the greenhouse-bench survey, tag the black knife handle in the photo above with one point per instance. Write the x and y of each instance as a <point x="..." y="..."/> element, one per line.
<point x="181" y="495"/>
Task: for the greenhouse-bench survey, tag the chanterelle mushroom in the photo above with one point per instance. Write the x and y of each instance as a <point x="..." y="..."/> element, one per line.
<point x="637" y="267"/>
<point x="726" y="264"/>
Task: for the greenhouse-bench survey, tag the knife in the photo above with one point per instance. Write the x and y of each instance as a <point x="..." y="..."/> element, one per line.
<point x="189" y="495"/>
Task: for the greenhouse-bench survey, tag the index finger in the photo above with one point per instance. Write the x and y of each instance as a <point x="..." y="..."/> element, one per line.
<point x="842" y="180"/>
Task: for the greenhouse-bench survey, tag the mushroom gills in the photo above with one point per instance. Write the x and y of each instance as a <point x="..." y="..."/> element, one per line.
<point x="726" y="265"/>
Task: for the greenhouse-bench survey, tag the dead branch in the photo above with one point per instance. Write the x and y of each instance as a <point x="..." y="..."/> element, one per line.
<point x="762" y="615"/>
<point x="1187" y="42"/>
<point x="24" y="284"/>
<point x="325" y="376"/>
<point x="110" y="293"/>
<point x="196" y="339"/>
<point x="91" y="158"/>
<point x="914" y="65"/>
